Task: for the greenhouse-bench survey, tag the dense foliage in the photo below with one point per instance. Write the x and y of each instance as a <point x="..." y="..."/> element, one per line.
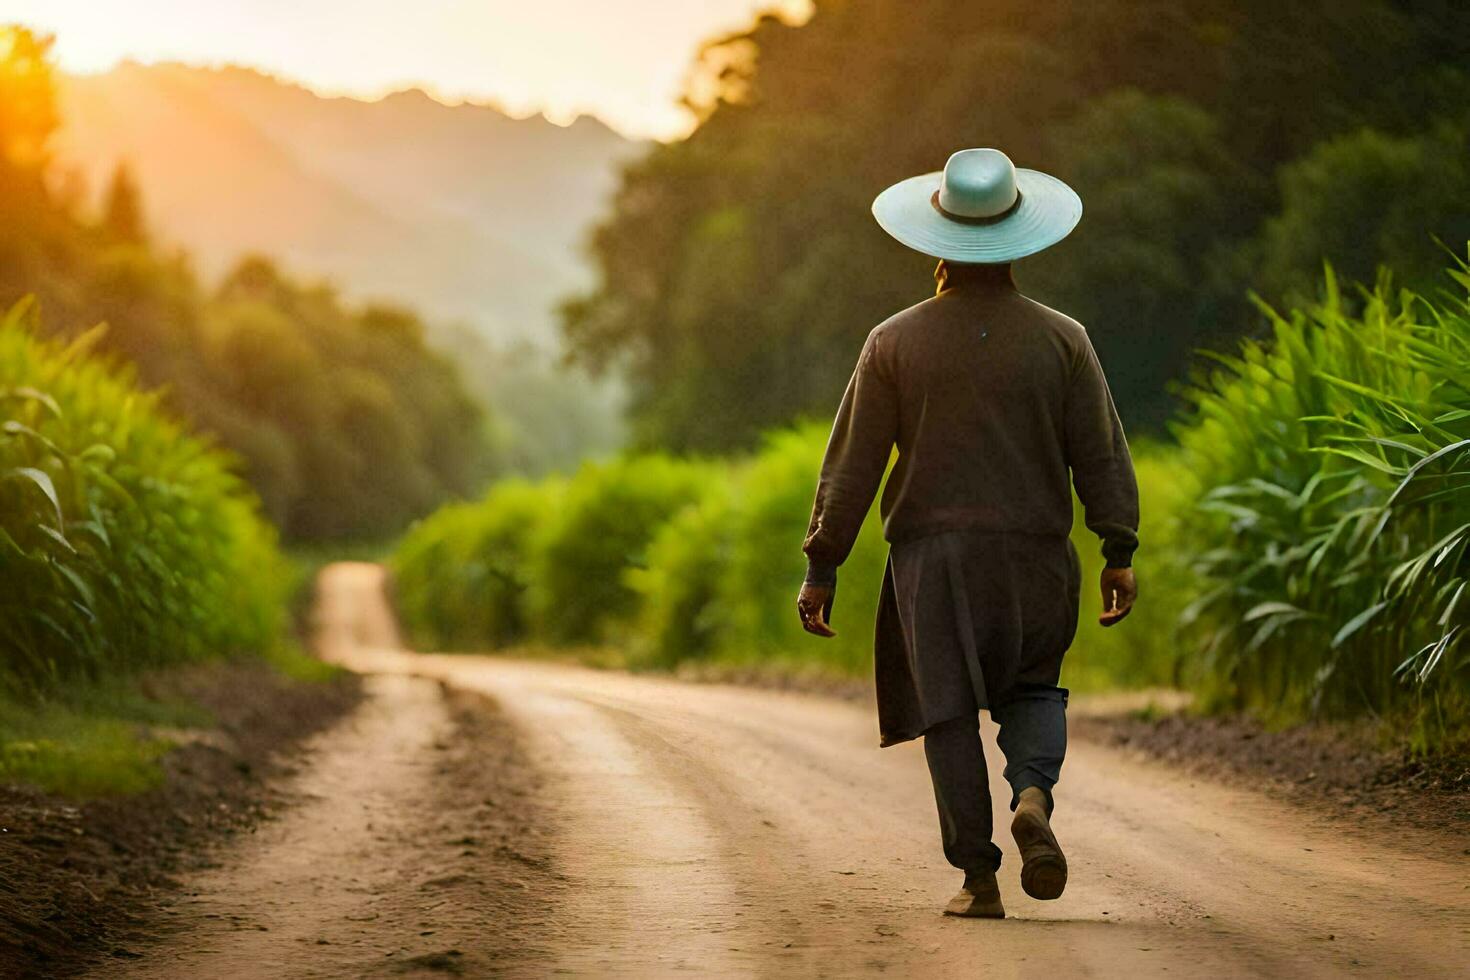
<point x="1332" y="536"/>
<point x="600" y="528"/>
<point x="1217" y="146"/>
<point x="704" y="569"/>
<point x="462" y="574"/>
<point x="346" y="422"/>
<point x="740" y="598"/>
<point x="1306" y="544"/>
<point x="124" y="541"/>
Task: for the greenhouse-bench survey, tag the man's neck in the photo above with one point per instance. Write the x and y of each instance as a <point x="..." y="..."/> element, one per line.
<point x="953" y="275"/>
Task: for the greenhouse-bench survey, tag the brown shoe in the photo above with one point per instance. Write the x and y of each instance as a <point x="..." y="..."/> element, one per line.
<point x="1043" y="866"/>
<point x="979" y="899"/>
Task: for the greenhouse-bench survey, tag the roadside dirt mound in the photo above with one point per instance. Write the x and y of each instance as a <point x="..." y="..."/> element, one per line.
<point x="1343" y="768"/>
<point x="79" y="881"/>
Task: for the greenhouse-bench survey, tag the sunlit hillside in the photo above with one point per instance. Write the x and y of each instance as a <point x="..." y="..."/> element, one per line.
<point x="462" y="211"/>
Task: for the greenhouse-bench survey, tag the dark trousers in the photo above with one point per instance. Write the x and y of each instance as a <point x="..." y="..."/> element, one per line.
<point x="1033" y="737"/>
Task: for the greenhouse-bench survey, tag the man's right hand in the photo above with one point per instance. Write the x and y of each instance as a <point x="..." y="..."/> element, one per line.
<point x="811" y="606"/>
<point x="1119" y="590"/>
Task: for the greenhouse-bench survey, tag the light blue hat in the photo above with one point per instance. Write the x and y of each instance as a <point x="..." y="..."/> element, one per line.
<point x="981" y="208"/>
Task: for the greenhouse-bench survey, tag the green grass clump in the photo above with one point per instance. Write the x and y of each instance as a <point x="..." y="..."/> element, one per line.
<point x="84" y="759"/>
<point x="94" y="739"/>
<point x="125" y="542"/>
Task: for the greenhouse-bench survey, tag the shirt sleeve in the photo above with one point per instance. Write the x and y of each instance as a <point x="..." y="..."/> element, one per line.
<point x="857" y="454"/>
<point x="1102" y="469"/>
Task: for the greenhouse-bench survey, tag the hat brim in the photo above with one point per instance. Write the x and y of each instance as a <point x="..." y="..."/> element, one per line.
<point x="1048" y="212"/>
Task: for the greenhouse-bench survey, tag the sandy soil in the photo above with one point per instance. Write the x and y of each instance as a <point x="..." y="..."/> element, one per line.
<point x="647" y="827"/>
<point x="415" y="837"/>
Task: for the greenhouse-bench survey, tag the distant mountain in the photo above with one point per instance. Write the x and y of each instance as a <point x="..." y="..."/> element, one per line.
<point x="462" y="212"/>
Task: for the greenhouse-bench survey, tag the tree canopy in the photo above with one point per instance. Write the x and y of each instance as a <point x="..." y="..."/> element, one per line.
<point x="1219" y="147"/>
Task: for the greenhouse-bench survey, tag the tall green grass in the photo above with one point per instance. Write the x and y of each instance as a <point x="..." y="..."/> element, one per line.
<point x="125" y="542"/>
<point x="1331" y="469"/>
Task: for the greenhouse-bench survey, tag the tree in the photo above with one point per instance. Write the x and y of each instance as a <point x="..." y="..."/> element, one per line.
<point x="1368" y="199"/>
<point x="1165" y="207"/>
<point x="342" y="418"/>
<point x="122" y="208"/>
<point x="740" y="269"/>
<point x="27" y="98"/>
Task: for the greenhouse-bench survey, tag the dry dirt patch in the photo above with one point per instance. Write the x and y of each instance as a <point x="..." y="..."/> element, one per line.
<point x="416" y="849"/>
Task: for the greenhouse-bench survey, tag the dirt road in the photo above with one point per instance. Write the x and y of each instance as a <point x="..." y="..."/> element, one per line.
<point x="606" y="824"/>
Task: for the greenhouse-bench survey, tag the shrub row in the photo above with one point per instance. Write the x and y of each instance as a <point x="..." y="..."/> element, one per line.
<point x="678" y="561"/>
<point x="125" y="542"/>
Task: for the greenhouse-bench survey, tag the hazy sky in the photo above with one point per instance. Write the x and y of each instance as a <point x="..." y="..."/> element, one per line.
<point x="623" y="60"/>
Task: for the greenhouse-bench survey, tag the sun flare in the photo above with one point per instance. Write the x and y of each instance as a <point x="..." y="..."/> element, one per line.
<point x="553" y="56"/>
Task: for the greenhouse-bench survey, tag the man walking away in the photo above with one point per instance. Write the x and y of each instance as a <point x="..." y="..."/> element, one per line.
<point x="997" y="406"/>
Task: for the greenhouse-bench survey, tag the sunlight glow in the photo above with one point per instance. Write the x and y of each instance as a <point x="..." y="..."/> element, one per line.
<point x="621" y="60"/>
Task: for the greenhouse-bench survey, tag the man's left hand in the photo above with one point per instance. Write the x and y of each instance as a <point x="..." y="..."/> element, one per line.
<point x="811" y="606"/>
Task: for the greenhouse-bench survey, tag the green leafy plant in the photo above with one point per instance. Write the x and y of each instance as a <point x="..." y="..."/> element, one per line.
<point x="461" y="575"/>
<point x="1332" y="469"/>
<point x="125" y="542"/>
<point x="601" y="528"/>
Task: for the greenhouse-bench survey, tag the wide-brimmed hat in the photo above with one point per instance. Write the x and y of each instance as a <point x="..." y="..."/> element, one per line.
<point x="980" y="208"/>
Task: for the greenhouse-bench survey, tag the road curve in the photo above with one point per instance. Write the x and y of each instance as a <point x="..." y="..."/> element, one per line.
<point x="736" y="832"/>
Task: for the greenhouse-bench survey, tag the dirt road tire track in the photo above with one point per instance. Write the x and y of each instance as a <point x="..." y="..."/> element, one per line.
<point x="416" y="837"/>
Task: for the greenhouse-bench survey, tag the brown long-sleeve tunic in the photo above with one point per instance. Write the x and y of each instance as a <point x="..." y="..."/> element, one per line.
<point x="997" y="405"/>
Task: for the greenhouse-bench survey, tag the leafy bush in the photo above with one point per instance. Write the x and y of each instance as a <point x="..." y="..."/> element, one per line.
<point x="124" y="541"/>
<point x="766" y="565"/>
<point x="1333" y="468"/>
<point x="601" y="528"/>
<point x="680" y="615"/>
<point x="1145" y="650"/>
<point x="461" y="575"/>
<point x="708" y="568"/>
<point x="722" y="575"/>
<point x="559" y="561"/>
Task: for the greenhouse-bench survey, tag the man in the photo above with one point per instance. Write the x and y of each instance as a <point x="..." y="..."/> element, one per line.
<point x="992" y="400"/>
